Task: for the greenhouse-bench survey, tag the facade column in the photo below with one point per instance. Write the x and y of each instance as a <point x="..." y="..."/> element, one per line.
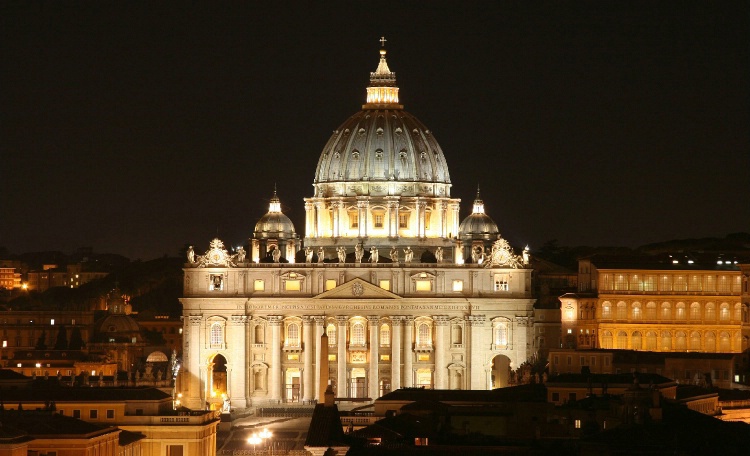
<point x="392" y="216"/>
<point x="310" y="219"/>
<point x="476" y="367"/>
<point x="374" y="375"/>
<point x="443" y="219"/>
<point x="421" y="204"/>
<point x="274" y="387"/>
<point x="336" y="214"/>
<point x="320" y="322"/>
<point x="194" y="397"/>
<point x="342" y="389"/>
<point x="408" y="351"/>
<point x="396" y="353"/>
<point x="442" y="348"/>
<point x="308" y="385"/>
<point x="238" y="385"/>
<point x="363" y="205"/>
<point x="454" y="207"/>
<point x="319" y="225"/>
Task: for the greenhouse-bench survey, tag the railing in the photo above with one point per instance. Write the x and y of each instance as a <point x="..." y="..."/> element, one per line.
<point x="735" y="404"/>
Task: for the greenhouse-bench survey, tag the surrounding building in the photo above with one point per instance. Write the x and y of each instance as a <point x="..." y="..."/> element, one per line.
<point x="72" y="276"/>
<point x="406" y="293"/>
<point x="657" y="303"/>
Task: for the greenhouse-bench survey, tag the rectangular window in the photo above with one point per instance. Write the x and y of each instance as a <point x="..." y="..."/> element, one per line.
<point x="458" y="285"/>
<point x="259" y="285"/>
<point x="331" y="357"/>
<point x="110" y="414"/>
<point x="555" y="360"/>
<point x="93" y="414"/>
<point x="330" y="284"/>
<point x="555" y="397"/>
<point x="385" y="357"/>
<point x="385" y="284"/>
<point x="577" y="424"/>
<point x="291" y="285"/>
<point x="377" y="220"/>
<point x="174" y="450"/>
<point x="723" y="284"/>
<point x="570" y="360"/>
<point x="424" y="285"/>
<point x="649" y="283"/>
<point x="621" y="282"/>
<point x="76" y="414"/>
<point x="680" y="283"/>
<point x="292" y="357"/>
<point x="501" y="282"/>
<point x="353" y="219"/>
<point x="423" y="357"/>
<point x="403" y="220"/>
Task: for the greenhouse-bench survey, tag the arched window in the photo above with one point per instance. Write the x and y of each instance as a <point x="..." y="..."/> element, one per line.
<point x="681" y="342"/>
<point x="651" y="311"/>
<point x="385" y="336"/>
<point x="637" y="315"/>
<point x="725" y="344"/>
<point x="724" y="312"/>
<point x="501" y="334"/>
<point x="651" y="341"/>
<point x="695" y="340"/>
<point x="695" y="311"/>
<point x="358" y="334"/>
<point x="331" y="332"/>
<point x="710" y="312"/>
<point x="622" y="340"/>
<point x="606" y="309"/>
<point x="423" y="334"/>
<point x="622" y="310"/>
<point x="666" y="341"/>
<point x="680" y="311"/>
<point x="636" y="341"/>
<point x="606" y="339"/>
<point x="259" y="334"/>
<point x="217" y="335"/>
<point x="666" y="311"/>
<point x="710" y="341"/>
<point x="737" y="312"/>
<point x="292" y="335"/>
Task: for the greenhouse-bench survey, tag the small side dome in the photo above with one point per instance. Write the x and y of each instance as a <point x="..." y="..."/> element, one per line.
<point x="274" y="224"/>
<point x="478" y="225"/>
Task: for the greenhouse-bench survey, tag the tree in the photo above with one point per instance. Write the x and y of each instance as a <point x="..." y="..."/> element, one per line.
<point x="61" y="343"/>
<point x="76" y="340"/>
<point x="40" y="344"/>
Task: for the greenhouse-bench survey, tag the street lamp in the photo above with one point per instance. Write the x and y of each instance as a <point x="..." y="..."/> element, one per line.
<point x="254" y="440"/>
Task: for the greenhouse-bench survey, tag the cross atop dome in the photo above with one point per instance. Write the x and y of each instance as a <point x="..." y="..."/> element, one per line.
<point x="275" y="204"/>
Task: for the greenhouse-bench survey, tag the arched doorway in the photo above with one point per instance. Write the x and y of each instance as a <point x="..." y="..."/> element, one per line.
<point x="500" y="371"/>
<point x="217" y="384"/>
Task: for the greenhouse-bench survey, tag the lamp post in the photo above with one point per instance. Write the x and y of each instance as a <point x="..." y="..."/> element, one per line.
<point x="254" y="440"/>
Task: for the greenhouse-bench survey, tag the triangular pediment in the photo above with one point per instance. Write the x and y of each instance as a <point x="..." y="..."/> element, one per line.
<point x="357" y="289"/>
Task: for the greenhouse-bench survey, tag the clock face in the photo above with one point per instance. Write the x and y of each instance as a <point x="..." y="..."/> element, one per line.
<point x="217" y="256"/>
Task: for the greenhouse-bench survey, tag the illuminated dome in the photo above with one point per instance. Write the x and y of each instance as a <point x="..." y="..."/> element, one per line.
<point x="382" y="143"/>
<point x="478" y="225"/>
<point x="274" y="224"/>
<point x="117" y="326"/>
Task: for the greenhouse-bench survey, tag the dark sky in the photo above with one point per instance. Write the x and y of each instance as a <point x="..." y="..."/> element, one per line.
<point x="135" y="128"/>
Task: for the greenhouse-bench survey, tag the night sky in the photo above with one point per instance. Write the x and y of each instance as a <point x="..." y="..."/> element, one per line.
<point x="135" y="128"/>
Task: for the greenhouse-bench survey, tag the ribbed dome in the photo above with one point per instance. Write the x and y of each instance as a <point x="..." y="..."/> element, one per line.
<point x="382" y="142"/>
<point x="478" y="224"/>
<point x="274" y="224"/>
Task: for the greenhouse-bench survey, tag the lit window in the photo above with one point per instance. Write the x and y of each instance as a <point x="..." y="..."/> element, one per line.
<point x="353" y="219"/>
<point x="292" y="357"/>
<point x="578" y="424"/>
<point x="52" y="322"/>
<point x="423" y="357"/>
<point x="358" y="334"/>
<point x="403" y="220"/>
<point x="501" y="282"/>
<point x="378" y="220"/>
<point x="385" y="336"/>
<point x="292" y="285"/>
<point x="331" y="357"/>
<point x="423" y="334"/>
<point x="424" y="285"/>
<point x="458" y="285"/>
<point x="259" y="285"/>
<point x="217" y="335"/>
<point x="501" y="334"/>
<point x="385" y="357"/>
<point x="292" y="335"/>
<point x="330" y="284"/>
<point x="331" y="332"/>
<point x="385" y="284"/>
<point x="5" y="343"/>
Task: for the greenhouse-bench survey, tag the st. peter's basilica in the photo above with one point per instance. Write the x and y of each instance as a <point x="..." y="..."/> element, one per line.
<point x="388" y="288"/>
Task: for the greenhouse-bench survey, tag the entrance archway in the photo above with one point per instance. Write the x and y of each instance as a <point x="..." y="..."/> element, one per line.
<point x="500" y="371"/>
<point x="292" y="382"/>
<point x="358" y="383"/>
<point x="217" y="384"/>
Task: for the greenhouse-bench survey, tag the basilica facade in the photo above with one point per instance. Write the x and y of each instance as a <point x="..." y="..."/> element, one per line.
<point x="387" y="289"/>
